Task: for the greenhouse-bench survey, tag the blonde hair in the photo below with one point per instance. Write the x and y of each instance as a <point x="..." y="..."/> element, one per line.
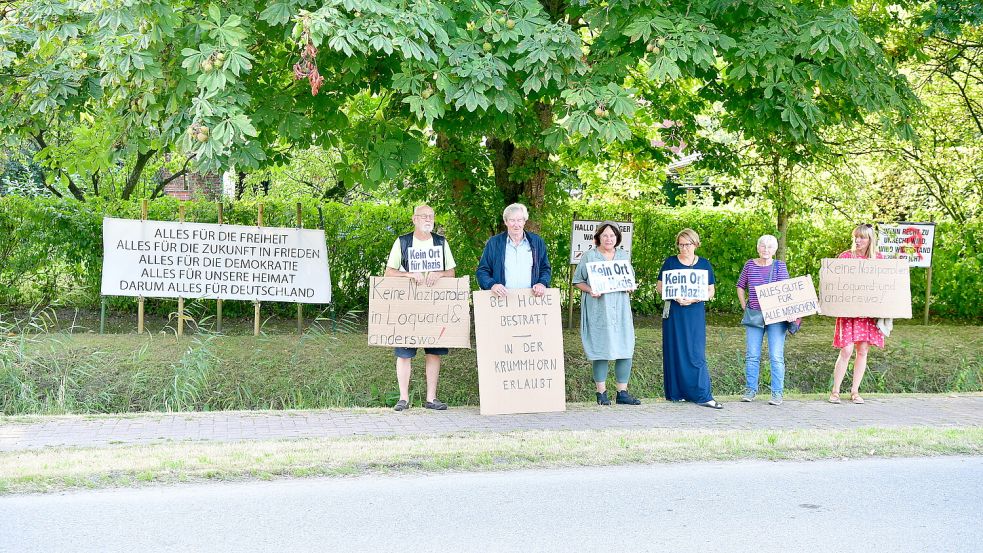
<point x="690" y="235"/>
<point x="866" y="230"/>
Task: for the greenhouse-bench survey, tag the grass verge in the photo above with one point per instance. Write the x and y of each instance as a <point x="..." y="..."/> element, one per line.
<point x="62" y="373"/>
<point x="53" y="470"/>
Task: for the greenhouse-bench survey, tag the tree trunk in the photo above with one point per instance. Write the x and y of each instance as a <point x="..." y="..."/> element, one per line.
<point x="781" y="199"/>
<point x="462" y="190"/>
<point x="522" y="172"/>
<point x="240" y="184"/>
<point x="134" y="177"/>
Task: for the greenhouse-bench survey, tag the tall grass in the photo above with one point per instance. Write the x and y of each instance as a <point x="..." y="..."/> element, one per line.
<point x="49" y="372"/>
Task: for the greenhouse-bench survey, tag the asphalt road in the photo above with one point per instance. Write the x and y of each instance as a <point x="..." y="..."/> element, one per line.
<point x="897" y="505"/>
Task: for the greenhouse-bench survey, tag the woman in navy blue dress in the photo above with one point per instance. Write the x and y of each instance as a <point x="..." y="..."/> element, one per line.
<point x="684" y="330"/>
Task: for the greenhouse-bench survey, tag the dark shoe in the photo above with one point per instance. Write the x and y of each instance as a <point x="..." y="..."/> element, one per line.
<point x="712" y="404"/>
<point x="602" y="398"/>
<point x="624" y="398"/>
<point x="401" y="405"/>
<point x="436" y="404"/>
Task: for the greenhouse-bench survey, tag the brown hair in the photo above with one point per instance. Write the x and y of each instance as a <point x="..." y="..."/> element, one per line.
<point x="607" y="224"/>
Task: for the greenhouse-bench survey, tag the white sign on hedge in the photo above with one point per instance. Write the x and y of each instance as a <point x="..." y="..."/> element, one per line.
<point x="159" y="259"/>
<point x="910" y="241"/>
<point x="582" y="238"/>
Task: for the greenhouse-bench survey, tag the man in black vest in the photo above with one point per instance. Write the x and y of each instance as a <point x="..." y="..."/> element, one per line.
<point x="405" y="260"/>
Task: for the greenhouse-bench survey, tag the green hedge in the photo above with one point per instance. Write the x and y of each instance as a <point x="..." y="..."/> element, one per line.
<point x="51" y="249"/>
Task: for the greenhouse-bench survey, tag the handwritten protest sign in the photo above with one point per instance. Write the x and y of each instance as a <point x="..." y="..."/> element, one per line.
<point x="160" y="259"/>
<point x="519" y="340"/>
<point x="686" y="284"/>
<point x="787" y="300"/>
<point x="582" y="238"/>
<point x="424" y="260"/>
<point x="405" y="314"/>
<point x="610" y="276"/>
<point x="865" y="288"/>
<point x="909" y="241"/>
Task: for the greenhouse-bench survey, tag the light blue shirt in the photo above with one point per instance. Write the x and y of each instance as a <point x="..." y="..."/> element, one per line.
<point x="518" y="263"/>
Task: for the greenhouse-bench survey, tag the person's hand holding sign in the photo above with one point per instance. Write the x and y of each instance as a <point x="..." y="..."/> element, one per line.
<point x="538" y="290"/>
<point x="432" y="278"/>
<point x="500" y="290"/>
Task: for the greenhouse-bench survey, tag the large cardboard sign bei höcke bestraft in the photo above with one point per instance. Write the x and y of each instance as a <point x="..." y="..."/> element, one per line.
<point x="403" y="313"/>
<point x="787" y="300"/>
<point x="163" y="259"/>
<point x="519" y="342"/>
<point x="865" y="288"/>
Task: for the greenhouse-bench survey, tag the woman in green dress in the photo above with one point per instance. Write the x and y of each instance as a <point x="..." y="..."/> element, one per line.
<point x="606" y="326"/>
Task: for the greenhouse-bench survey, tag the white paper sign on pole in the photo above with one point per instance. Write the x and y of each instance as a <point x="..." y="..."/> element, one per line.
<point x="610" y="276"/>
<point x="865" y="288"/>
<point x="161" y="259"/>
<point x="582" y="238"/>
<point x="909" y="241"/>
<point x="519" y="340"/>
<point x="787" y="300"/>
<point x="686" y="284"/>
<point x="425" y="260"/>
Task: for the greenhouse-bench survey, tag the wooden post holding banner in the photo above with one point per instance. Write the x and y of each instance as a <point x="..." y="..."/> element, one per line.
<point x="519" y="340"/>
<point x="144" y="208"/>
<point x="218" y="302"/>
<point x="573" y="269"/>
<point x="256" y="304"/>
<point x="180" y="301"/>
<point x="300" y="306"/>
<point x="928" y="291"/>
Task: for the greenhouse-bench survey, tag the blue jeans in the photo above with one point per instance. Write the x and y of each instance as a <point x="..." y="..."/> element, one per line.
<point x="776" y="351"/>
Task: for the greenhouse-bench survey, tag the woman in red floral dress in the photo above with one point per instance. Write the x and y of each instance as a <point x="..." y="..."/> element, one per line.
<point x="855" y="333"/>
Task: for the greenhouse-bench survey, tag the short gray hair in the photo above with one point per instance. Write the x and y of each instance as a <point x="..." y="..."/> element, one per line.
<point x="513" y="209"/>
<point x="767" y="239"/>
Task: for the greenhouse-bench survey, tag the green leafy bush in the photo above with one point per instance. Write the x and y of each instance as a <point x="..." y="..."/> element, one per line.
<point x="51" y="251"/>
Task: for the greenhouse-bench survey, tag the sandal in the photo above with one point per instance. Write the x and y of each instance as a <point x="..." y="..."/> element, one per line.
<point x="712" y="404"/>
<point x="856" y="399"/>
<point x="834" y="398"/>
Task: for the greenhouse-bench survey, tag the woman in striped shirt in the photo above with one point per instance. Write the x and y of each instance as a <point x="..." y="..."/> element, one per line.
<point x="762" y="270"/>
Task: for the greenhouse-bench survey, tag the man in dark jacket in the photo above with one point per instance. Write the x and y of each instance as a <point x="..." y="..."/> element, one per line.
<point x="515" y="258"/>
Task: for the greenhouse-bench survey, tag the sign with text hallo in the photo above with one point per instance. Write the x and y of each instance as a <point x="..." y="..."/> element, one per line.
<point x="582" y="238"/>
<point x="161" y="259"/>
<point x="865" y="288"/>
<point x="403" y="313"/>
<point x="519" y="340"/>
<point x="787" y="300"/>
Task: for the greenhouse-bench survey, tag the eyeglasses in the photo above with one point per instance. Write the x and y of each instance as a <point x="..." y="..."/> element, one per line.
<point x="425" y="217"/>
<point x="684" y="244"/>
<point x="516" y="221"/>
